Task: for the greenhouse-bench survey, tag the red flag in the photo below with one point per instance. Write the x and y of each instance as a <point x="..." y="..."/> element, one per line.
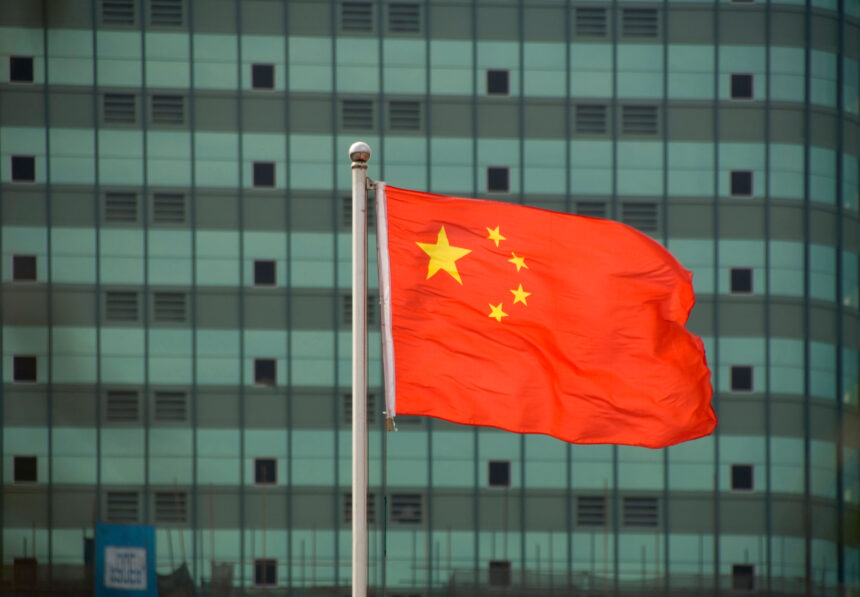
<point x="537" y="322"/>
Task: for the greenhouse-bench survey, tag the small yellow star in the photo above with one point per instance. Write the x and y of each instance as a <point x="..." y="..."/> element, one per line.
<point x="497" y="313"/>
<point x="495" y="235"/>
<point x="520" y="262"/>
<point x="520" y="295"/>
<point x="443" y="256"/>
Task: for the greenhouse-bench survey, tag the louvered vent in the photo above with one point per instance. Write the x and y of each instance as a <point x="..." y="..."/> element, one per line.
<point x="119" y="107"/>
<point x="404" y="18"/>
<point x="406" y="508"/>
<point x="120" y="207"/>
<point x="640" y="512"/>
<point x="591" y="22"/>
<point x="592" y="209"/>
<point x="347" y="408"/>
<point x="121" y="406"/>
<point x="642" y="216"/>
<point x="346" y="212"/>
<point x="171" y="406"/>
<point x="371" y="508"/>
<point x="404" y="116"/>
<point x="639" y="22"/>
<point x="168" y="208"/>
<point x="118" y="12"/>
<point x="356" y="16"/>
<point x="123" y="506"/>
<point x="358" y="114"/>
<point x="121" y="306"/>
<point x="165" y="12"/>
<point x="171" y="506"/>
<point x="591" y="118"/>
<point x="372" y="309"/>
<point x="169" y="307"/>
<point x="639" y="120"/>
<point x="590" y="511"/>
<point x="168" y="109"/>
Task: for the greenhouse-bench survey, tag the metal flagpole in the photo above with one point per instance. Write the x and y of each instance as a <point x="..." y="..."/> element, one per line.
<point x="359" y="153"/>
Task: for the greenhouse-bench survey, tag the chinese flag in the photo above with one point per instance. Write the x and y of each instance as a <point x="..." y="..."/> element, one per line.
<point x="537" y="322"/>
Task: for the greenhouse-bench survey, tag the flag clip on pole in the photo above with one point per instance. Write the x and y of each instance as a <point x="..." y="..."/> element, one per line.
<point x="384" y="269"/>
<point x="359" y="153"/>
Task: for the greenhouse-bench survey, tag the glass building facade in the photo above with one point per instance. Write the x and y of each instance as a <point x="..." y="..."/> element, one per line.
<point x="174" y="184"/>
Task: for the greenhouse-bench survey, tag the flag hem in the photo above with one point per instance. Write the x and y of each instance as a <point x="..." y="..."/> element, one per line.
<point x="384" y="271"/>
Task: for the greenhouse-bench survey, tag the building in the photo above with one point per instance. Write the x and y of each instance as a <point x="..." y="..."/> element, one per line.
<point x="175" y="283"/>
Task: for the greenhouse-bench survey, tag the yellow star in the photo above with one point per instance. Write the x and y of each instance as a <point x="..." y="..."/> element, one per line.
<point x="495" y="235"/>
<point x="497" y="313"/>
<point x="520" y="262"/>
<point x="443" y="256"/>
<point x="520" y="295"/>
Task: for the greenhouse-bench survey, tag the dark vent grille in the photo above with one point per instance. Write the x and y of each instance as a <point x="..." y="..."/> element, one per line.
<point x="118" y="12"/>
<point x="168" y="208"/>
<point x="640" y="512"/>
<point x="639" y="22"/>
<point x="642" y="216"/>
<point x="404" y="116"/>
<point x="168" y="109"/>
<point x="347" y="408"/>
<point x="356" y="16"/>
<point x="122" y="406"/>
<point x="123" y="506"/>
<point x="404" y="17"/>
<point x="406" y="508"/>
<point x="121" y="306"/>
<point x="169" y="307"/>
<point x="358" y="114"/>
<point x="120" y="207"/>
<point x="372" y="309"/>
<point x="346" y="211"/>
<point x="639" y="120"/>
<point x="591" y="118"/>
<point x="171" y="506"/>
<point x="119" y="107"/>
<point x="591" y="22"/>
<point x="165" y="12"/>
<point x="592" y="209"/>
<point x="171" y="406"/>
<point x="371" y="508"/>
<point x="590" y="511"/>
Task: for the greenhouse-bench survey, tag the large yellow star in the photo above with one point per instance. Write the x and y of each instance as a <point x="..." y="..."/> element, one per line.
<point x="495" y="235"/>
<point x="520" y="262"/>
<point x="443" y="256"/>
<point x="520" y="295"/>
<point x="497" y="313"/>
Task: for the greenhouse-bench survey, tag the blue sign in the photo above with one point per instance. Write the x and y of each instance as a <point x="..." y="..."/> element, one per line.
<point x="125" y="561"/>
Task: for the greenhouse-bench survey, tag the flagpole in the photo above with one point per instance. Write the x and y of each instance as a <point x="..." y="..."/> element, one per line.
<point x="359" y="153"/>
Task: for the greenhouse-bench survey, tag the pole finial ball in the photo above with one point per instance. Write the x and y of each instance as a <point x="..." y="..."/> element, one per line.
<point x="359" y="151"/>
